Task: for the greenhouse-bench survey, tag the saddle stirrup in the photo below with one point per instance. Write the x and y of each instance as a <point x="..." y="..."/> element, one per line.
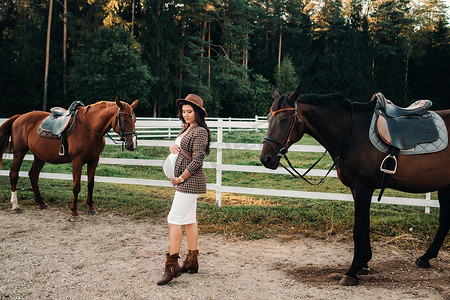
<point x="389" y="164"/>
<point x="61" y="151"/>
<point x="388" y="167"/>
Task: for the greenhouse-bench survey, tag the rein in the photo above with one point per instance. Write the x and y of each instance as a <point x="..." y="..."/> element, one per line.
<point x="283" y="150"/>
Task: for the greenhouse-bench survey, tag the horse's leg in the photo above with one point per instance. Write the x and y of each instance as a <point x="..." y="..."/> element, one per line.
<point x="14" y="178"/>
<point x="362" y="196"/>
<point x="91" y="166"/>
<point x="34" y="178"/>
<point x="444" y="226"/>
<point x="77" y="167"/>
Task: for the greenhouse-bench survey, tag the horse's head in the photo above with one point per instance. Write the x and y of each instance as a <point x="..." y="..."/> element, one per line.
<point x="124" y="123"/>
<point x="285" y="128"/>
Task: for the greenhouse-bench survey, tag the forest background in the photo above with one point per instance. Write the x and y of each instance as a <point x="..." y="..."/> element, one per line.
<point x="230" y="52"/>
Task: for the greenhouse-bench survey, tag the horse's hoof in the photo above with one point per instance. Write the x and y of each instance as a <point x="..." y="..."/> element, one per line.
<point x="421" y="263"/>
<point x="16" y="210"/>
<point x="348" y="281"/>
<point x="364" y="271"/>
<point x="43" y="206"/>
<point x="92" y="212"/>
<point x="75" y="219"/>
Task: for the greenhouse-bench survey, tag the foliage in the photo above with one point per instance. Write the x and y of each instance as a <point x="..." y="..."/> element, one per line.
<point x="286" y="79"/>
<point x="260" y="98"/>
<point x="223" y="50"/>
<point x="108" y="66"/>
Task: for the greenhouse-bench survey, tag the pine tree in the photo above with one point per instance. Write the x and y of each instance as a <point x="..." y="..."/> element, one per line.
<point x="286" y="79"/>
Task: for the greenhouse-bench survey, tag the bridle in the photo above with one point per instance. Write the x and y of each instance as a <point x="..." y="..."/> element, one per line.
<point x="122" y="134"/>
<point x="284" y="145"/>
<point x="117" y="122"/>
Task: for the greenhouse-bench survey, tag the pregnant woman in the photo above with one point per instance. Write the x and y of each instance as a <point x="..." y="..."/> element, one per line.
<point x="187" y="153"/>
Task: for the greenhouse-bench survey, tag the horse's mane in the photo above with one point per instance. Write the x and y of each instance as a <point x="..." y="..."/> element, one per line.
<point x="326" y="99"/>
<point x="106" y="103"/>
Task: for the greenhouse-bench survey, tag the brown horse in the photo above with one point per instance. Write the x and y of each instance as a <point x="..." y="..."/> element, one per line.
<point x="84" y="145"/>
<point x="342" y="128"/>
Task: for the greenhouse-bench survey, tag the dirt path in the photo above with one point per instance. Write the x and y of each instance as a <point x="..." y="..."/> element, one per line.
<point x="43" y="256"/>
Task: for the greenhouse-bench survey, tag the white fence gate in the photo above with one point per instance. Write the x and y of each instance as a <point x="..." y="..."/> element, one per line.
<point x="150" y="128"/>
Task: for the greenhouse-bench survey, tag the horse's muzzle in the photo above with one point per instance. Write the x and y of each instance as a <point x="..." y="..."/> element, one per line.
<point x="269" y="161"/>
<point x="131" y="143"/>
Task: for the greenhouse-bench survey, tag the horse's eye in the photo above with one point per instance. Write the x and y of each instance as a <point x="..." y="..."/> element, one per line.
<point x="283" y="120"/>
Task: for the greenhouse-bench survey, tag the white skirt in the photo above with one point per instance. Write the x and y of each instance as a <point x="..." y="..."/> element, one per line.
<point x="184" y="209"/>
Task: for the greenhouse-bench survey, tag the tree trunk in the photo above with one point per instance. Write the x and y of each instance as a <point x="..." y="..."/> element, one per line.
<point x="204" y="26"/>
<point x="279" y="48"/>
<point x="47" y="55"/>
<point x="209" y="54"/>
<point x="406" y="78"/>
<point x="267" y="45"/>
<point x="132" y="17"/>
<point x="245" y="53"/>
<point x="180" y="75"/>
<point x="64" y="51"/>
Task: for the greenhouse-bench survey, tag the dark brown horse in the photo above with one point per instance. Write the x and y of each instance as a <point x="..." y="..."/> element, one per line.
<point x="342" y="128"/>
<point x="84" y="145"/>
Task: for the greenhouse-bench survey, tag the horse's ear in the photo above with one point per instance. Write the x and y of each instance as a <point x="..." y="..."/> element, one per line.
<point x="119" y="104"/>
<point x="134" y="104"/>
<point x="294" y="96"/>
<point x="275" y="93"/>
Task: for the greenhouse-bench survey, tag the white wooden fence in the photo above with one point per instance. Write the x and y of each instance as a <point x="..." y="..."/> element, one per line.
<point x="160" y="127"/>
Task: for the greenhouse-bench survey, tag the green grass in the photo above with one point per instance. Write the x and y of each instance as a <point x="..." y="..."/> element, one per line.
<point x="246" y="216"/>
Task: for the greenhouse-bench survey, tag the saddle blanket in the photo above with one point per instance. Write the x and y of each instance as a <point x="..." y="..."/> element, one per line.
<point x="423" y="148"/>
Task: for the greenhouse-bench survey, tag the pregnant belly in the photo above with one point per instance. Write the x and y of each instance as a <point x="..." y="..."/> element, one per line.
<point x="169" y="165"/>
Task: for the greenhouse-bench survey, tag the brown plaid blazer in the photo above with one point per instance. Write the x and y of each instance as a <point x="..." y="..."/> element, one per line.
<point x="195" y="142"/>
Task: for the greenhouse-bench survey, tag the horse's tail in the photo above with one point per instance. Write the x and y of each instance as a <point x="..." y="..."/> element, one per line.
<point x="5" y="133"/>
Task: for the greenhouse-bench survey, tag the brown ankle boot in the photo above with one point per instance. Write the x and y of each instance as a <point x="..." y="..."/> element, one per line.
<point x="190" y="264"/>
<point x="172" y="269"/>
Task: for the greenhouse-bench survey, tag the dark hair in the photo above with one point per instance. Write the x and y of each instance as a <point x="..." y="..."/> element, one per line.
<point x="199" y="119"/>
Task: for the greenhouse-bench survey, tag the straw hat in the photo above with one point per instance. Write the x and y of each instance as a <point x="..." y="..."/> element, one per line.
<point x="194" y="99"/>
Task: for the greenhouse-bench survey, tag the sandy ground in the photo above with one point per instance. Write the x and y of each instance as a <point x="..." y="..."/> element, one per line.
<point x="43" y="256"/>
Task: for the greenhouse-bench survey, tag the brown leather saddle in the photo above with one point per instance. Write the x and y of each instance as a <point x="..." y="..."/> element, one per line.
<point x="59" y="124"/>
<point x="404" y="128"/>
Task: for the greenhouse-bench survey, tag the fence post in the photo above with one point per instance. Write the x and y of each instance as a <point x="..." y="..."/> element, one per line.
<point x="170" y="129"/>
<point x="427" y="208"/>
<point x="219" y="162"/>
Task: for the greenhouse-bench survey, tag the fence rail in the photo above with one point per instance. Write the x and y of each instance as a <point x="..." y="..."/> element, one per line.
<point x="171" y="128"/>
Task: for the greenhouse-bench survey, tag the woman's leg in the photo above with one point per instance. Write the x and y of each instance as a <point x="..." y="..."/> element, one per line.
<point x="190" y="264"/>
<point x="175" y="238"/>
<point x="191" y="236"/>
<point x="172" y="268"/>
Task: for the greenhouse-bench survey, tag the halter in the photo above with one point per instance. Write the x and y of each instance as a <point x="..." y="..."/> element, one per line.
<point x="283" y="150"/>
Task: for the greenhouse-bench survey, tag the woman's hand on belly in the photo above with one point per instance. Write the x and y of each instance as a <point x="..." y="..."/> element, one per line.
<point x="174" y="149"/>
